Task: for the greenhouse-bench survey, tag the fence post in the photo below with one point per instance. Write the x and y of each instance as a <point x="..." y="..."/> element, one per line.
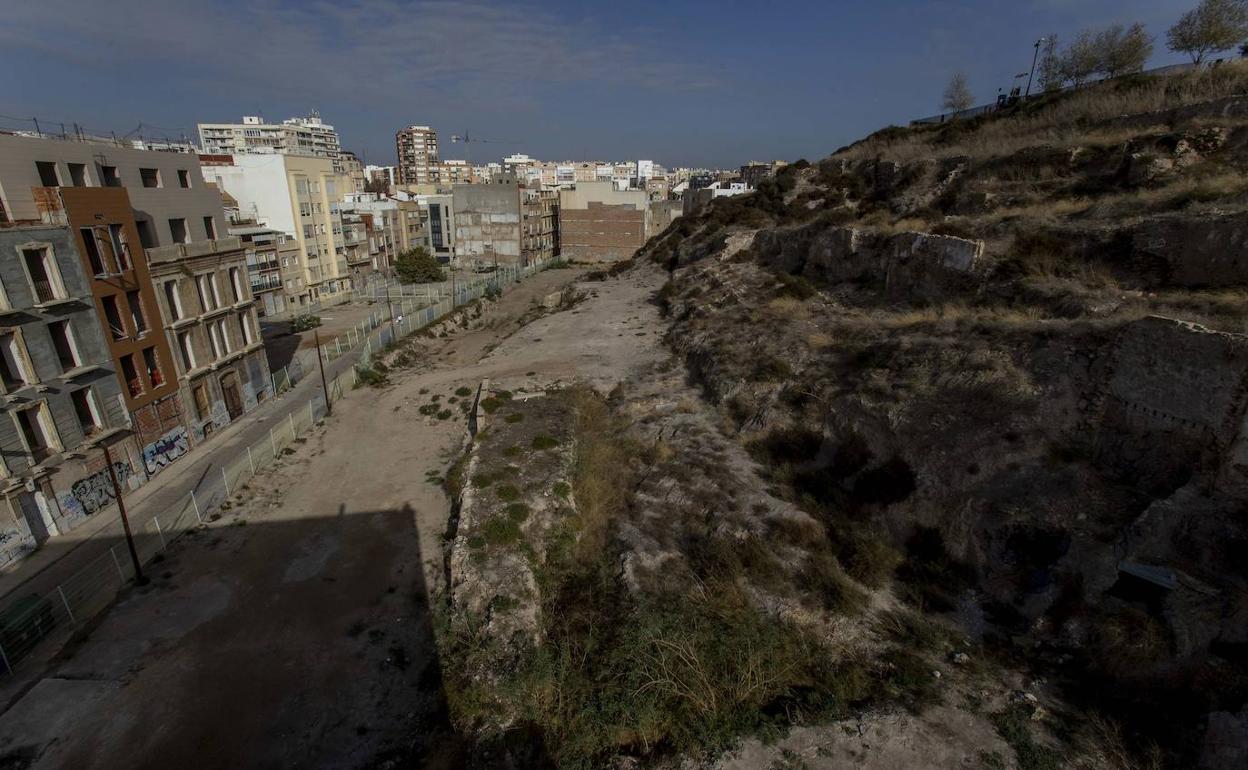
<point x="225" y="480"/>
<point x="251" y="462"/>
<point x="311" y="413"/>
<point x="286" y="376"/>
<point x="294" y="434"/>
<point x="163" y="544"/>
<point x="7" y="666"/>
<point x="273" y="442"/>
<point x="195" y="506"/>
<point x="117" y="564"/>
<point x="65" y="601"/>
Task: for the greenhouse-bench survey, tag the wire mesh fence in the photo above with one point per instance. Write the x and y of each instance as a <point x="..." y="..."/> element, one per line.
<point x="28" y="620"/>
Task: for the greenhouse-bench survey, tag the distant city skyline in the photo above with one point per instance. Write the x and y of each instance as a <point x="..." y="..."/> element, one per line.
<point x="699" y="84"/>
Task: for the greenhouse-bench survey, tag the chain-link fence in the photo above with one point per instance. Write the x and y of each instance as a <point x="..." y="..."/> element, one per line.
<point x="28" y="620"/>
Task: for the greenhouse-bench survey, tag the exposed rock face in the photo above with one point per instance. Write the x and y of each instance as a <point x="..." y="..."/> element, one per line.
<point x="1226" y="741"/>
<point x="1174" y="400"/>
<point x="1210" y="251"/>
<point x="906" y="263"/>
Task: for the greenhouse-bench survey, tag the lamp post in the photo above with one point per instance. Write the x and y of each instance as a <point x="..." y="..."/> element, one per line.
<point x="139" y="578"/>
<point x="1035" y="57"/>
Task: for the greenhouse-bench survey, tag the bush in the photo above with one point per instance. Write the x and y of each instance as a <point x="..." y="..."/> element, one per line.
<point x="795" y="286"/>
<point x="418" y="266"/>
<point x="508" y="493"/>
<point x="500" y="530"/>
<point x="370" y="377"/>
<point x="542" y="441"/>
<point x="303" y="323"/>
<point x="463" y="392"/>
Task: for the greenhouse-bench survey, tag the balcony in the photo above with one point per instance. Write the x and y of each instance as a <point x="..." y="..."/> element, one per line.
<point x="179" y="251"/>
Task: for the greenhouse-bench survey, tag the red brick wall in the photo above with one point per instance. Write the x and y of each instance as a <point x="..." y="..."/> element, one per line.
<point x="605" y="233"/>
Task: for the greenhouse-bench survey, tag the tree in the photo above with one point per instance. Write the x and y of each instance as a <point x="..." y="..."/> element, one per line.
<point x="1212" y="26"/>
<point x="1050" y="68"/>
<point x="1123" y="50"/>
<point x="376" y="185"/>
<point x="1081" y="60"/>
<point x="418" y="266"/>
<point x="958" y="94"/>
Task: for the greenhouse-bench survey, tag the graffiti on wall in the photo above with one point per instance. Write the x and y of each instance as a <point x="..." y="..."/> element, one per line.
<point x="95" y="492"/>
<point x="163" y="451"/>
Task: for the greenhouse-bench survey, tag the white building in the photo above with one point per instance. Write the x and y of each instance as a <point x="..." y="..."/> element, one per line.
<point x="306" y="136"/>
<point x="645" y="170"/>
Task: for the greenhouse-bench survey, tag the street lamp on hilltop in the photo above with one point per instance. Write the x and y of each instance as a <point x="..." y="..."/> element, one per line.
<point x="1035" y="57"/>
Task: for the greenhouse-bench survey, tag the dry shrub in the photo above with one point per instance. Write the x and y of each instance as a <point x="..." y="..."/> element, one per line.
<point x="787" y="309"/>
<point x="600" y="471"/>
<point x="1103" y="746"/>
<point x="1062" y="120"/>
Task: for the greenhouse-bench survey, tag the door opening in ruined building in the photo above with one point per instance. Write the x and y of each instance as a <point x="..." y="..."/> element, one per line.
<point x="35" y="432"/>
<point x="233" y="397"/>
<point x="34" y="517"/>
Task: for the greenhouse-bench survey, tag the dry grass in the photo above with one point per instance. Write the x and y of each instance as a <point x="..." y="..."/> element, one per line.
<point x="1063" y="122"/>
<point x="787" y="309"/>
<point x="600" y="470"/>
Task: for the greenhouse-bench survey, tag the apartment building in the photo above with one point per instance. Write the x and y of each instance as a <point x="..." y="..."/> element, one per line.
<point x="264" y="250"/>
<point x="452" y="172"/>
<point x="298" y="196"/>
<point x="598" y="222"/>
<point x="59" y="394"/>
<point x="356" y="237"/>
<point x="353" y="170"/>
<point x="488" y="223"/>
<point x="204" y="295"/>
<point x="120" y="203"/>
<point x="306" y="136"/>
<point x="397" y="225"/>
<point x="441" y="222"/>
<point x="417" y="148"/>
<point x="540" y="211"/>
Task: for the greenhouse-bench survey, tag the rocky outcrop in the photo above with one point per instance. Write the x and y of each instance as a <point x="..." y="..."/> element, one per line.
<point x="1208" y="251"/>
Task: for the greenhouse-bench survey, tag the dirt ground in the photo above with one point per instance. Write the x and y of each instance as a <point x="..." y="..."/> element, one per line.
<point x="296" y="631"/>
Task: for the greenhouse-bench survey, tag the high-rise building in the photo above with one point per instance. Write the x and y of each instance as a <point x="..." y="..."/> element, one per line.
<point x="417" y="148"/>
<point x="306" y="136"/>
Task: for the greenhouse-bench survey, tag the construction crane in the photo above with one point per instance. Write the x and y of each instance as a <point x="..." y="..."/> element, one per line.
<point x="470" y="140"/>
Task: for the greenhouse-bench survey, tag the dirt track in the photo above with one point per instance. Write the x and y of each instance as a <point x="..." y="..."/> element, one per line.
<point x="295" y="631"/>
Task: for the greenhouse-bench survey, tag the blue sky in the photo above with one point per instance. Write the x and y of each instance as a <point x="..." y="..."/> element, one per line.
<point x="683" y="82"/>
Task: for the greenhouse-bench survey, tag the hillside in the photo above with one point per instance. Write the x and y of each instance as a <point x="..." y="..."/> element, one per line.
<point x="945" y="466"/>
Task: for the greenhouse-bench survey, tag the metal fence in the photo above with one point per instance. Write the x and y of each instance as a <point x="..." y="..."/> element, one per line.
<point x="26" y="621"/>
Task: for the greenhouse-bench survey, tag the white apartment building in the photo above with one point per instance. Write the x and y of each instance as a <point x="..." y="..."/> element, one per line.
<point x="299" y="196"/>
<point x="307" y="136"/>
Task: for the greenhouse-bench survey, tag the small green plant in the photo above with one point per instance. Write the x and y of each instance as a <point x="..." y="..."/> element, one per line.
<point x="483" y="480"/>
<point x="500" y="530"/>
<point x="1014" y="727"/>
<point x="542" y="441"/>
<point x="305" y="322"/>
<point x="517" y="512"/>
<point x="508" y="493"/>
<point x="428" y="409"/>
<point x="445" y="414"/>
<point x="463" y="392"/>
<point x="562" y="490"/>
<point x="490" y="405"/>
<point x="514" y="450"/>
<point x="514" y="417"/>
<point x="372" y="378"/>
<point x="476" y="541"/>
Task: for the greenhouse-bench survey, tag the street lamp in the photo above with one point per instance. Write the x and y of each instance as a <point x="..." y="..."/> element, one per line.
<point x="1035" y="57"/>
<point x="139" y="578"/>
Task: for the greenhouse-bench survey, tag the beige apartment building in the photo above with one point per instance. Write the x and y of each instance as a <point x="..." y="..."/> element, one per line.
<point x="417" y="148"/>
<point x="307" y="136"/>
<point x="299" y="196"/>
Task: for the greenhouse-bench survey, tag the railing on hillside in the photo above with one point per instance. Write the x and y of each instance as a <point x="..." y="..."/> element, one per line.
<point x="27" y="621"/>
<point x="1006" y="102"/>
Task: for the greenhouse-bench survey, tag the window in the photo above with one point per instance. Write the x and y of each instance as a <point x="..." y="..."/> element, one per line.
<point x="236" y="286"/>
<point x="47" y="173"/>
<point x="15" y="370"/>
<point x="37" y="432"/>
<point x="94" y="256"/>
<point x="135" y="301"/>
<point x="88" y="413"/>
<point x="184" y="178"/>
<point x="152" y="364"/>
<point x="210" y="228"/>
<point x="121" y="249"/>
<point x="177" y="230"/>
<point x="219" y="339"/>
<point x="146" y="238"/>
<point x="112" y="316"/>
<point x="78" y="174"/>
<point x="244" y="325"/>
<point x="150" y="177"/>
<point x="63" y="342"/>
<point x="129" y="373"/>
<point x="206" y="287"/>
<point x="44" y="276"/>
<point x="187" y="350"/>
<point x="173" y="299"/>
<point x="109" y="176"/>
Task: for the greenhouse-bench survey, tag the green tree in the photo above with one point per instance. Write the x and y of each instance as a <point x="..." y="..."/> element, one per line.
<point x="1081" y="60"/>
<point x="1050" y="69"/>
<point x="1123" y="50"/>
<point x="958" y="94"/>
<point x="418" y="266"/>
<point x="1212" y="26"/>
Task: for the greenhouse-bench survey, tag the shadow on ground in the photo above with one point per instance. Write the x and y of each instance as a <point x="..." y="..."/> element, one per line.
<point x="301" y="642"/>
